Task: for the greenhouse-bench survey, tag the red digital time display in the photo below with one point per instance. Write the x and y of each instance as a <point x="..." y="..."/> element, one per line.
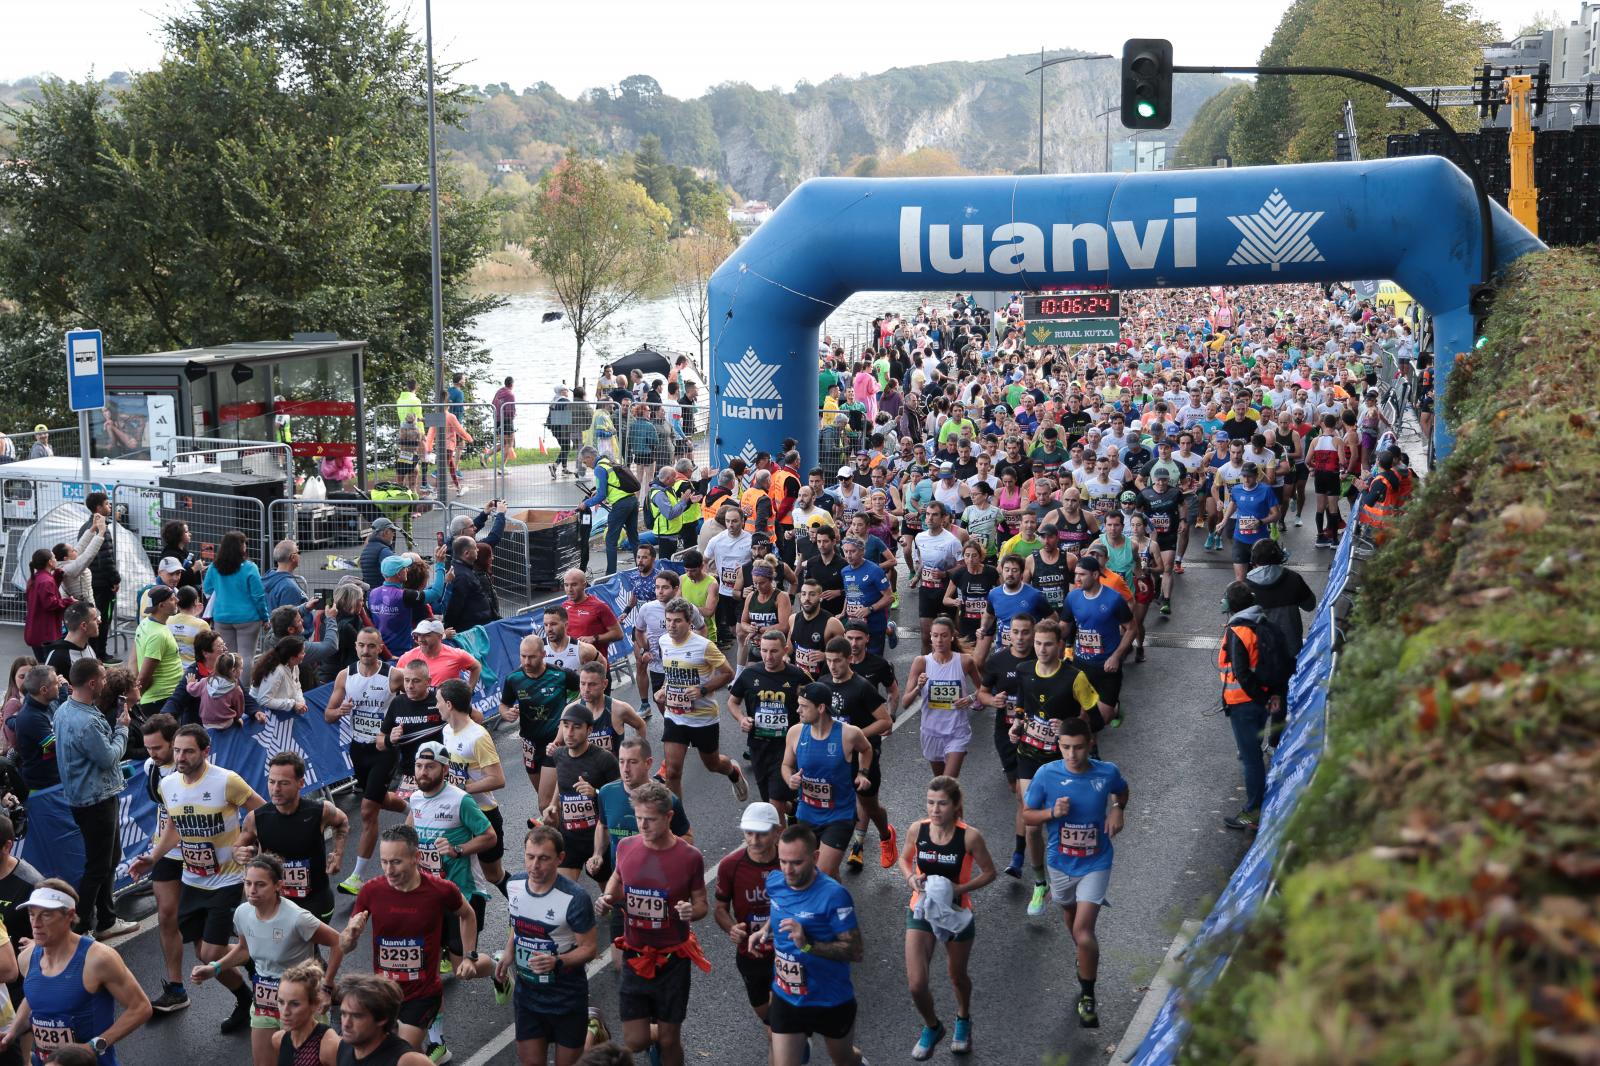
<point x="1073" y="305"/>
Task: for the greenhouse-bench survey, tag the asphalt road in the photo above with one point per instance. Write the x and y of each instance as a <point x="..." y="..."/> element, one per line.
<point x="1174" y="749"/>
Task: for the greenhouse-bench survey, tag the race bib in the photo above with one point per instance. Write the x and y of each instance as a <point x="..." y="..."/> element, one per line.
<point x="856" y="611"/>
<point x="400" y="958"/>
<point x="678" y="699"/>
<point x="530" y="755"/>
<point x="646" y="908"/>
<point x="407" y="786"/>
<point x="266" y="996"/>
<point x="1078" y="841"/>
<point x="1041" y="733"/>
<point x="1089" y="644"/>
<point x="577" y="811"/>
<point x="527" y="948"/>
<point x="456" y="773"/>
<point x="1161" y="523"/>
<point x="808" y="659"/>
<point x="727" y="575"/>
<point x="200" y="858"/>
<point x="1248" y="526"/>
<point x="771" y="721"/>
<point x="932" y="577"/>
<point x="50" y="1035"/>
<point x="604" y="741"/>
<point x="789" y="975"/>
<point x="428" y="856"/>
<point x="297" y="878"/>
<point x="942" y="695"/>
<point x="364" y="725"/>
<point x="1103" y="504"/>
<point x="816" y="793"/>
<point x="973" y="607"/>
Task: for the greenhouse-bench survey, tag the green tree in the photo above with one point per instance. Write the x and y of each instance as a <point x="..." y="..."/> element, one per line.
<point x="601" y="241"/>
<point x="1413" y="42"/>
<point x="232" y="193"/>
<point x="1263" y="121"/>
<point x="1207" y="136"/>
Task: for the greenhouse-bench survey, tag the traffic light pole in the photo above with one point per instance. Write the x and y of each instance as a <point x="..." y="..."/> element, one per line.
<point x="1470" y="164"/>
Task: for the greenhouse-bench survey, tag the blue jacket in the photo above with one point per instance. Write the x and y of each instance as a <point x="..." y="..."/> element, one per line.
<point x="373" y="553"/>
<point x="89" y="752"/>
<point x="238" y="597"/>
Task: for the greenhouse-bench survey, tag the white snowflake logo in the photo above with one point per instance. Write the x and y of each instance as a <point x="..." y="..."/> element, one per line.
<point x="747" y="453"/>
<point x="278" y="736"/>
<point x="751" y="379"/>
<point x="1275" y="235"/>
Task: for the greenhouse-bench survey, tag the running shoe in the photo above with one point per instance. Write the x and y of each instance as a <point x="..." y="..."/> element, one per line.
<point x="894" y="635"/>
<point x="1245" y="820"/>
<point x="1015" y="869"/>
<point x="1166" y="606"/>
<point x="1088" y="1017"/>
<point x="888" y="850"/>
<point x="931" y="1035"/>
<point x="120" y="927"/>
<point x="741" y="787"/>
<point x="961" y="1039"/>
<point x="1138" y="653"/>
<point x="1298" y="521"/>
<point x="172" y="998"/>
<point x="445" y="969"/>
<point x="439" y="1054"/>
<point x="350" y="885"/>
<point x="502" y="989"/>
<point x="1177" y="566"/>
<point x="239" y="1019"/>
<point x="597" y="1026"/>
<point x="854" y="860"/>
<point x="1036" y="903"/>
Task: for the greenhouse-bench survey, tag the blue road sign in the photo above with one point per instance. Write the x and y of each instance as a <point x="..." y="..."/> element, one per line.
<point x="86" y="370"/>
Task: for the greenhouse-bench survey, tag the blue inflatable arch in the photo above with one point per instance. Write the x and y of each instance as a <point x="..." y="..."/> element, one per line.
<point x="1412" y="220"/>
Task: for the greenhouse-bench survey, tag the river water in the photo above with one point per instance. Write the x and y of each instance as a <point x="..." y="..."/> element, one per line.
<point x="539" y="355"/>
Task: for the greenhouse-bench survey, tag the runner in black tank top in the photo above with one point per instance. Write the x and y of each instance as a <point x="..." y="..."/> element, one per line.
<point x="949" y="860"/>
<point x="308" y="1053"/>
<point x="297" y="839"/>
<point x="1075" y="536"/>
<point x="1052" y="579"/>
<point x="808" y="635"/>
<point x="763" y="616"/>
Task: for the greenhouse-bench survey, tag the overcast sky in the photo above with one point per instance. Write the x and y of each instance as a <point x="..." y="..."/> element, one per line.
<point x="689" y="45"/>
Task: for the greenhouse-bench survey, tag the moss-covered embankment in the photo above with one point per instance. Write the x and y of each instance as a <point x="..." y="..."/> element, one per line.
<point x="1438" y="903"/>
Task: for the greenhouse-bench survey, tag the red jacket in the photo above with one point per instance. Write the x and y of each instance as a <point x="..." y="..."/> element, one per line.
<point x="45" y="606"/>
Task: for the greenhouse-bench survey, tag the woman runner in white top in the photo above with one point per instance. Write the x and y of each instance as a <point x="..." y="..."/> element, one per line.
<point x="945" y="680"/>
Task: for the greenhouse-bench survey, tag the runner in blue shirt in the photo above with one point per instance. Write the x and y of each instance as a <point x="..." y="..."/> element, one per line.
<point x="1102" y="630"/>
<point x="867" y="594"/>
<point x="1253" y="507"/>
<point x="1079" y="803"/>
<point x="1013" y="598"/>
<point x="814" y="936"/>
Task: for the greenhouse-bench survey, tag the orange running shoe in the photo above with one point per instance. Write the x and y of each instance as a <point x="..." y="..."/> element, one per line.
<point x="888" y="851"/>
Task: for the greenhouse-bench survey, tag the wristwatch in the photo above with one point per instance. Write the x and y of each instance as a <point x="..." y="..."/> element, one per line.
<point x="472" y="956"/>
<point x="99" y="1045"/>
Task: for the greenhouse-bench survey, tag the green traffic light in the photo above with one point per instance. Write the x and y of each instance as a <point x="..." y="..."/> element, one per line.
<point x="1146" y="109"/>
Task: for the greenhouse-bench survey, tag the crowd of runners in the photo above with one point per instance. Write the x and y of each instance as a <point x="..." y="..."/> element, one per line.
<point x="1041" y="501"/>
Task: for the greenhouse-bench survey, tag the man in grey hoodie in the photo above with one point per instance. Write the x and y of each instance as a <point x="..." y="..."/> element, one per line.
<point x="1280" y="593"/>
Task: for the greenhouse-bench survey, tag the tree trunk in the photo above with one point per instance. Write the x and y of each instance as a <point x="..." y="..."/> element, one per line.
<point x="577" y="363"/>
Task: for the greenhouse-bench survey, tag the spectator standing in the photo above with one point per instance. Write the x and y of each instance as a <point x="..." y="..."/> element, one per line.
<point x="34" y="727"/>
<point x="156" y="653"/>
<point x="45" y="605"/>
<point x="41" y="443"/>
<point x="275" y="681"/>
<point x="238" y="599"/>
<point x="187" y="623"/>
<point x="13" y="700"/>
<point x="74" y="560"/>
<point x="83" y="624"/>
<point x="471" y="603"/>
<point x="89" y="751"/>
<point x="456" y="396"/>
<point x="1280" y="593"/>
<point x="104" y="577"/>
<point x="283" y="586"/>
<point x="623" y="505"/>
<point x="379" y="546"/>
<point x="175" y="542"/>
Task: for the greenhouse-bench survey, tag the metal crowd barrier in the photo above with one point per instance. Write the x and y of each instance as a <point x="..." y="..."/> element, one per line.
<point x="331" y="533"/>
<point x="25" y="444"/>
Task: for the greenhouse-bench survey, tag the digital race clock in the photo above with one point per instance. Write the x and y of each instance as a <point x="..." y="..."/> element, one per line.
<point x="1072" y="305"/>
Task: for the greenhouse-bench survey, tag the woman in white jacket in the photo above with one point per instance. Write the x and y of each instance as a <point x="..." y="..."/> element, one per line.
<point x="275" y="677"/>
<point x="73" y="561"/>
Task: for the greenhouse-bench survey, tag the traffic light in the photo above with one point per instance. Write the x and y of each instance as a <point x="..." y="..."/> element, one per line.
<point x="1541" y="89"/>
<point x="1147" y="84"/>
<point x="1480" y="301"/>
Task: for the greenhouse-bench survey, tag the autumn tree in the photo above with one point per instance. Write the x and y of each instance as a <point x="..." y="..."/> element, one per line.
<point x="599" y="239"/>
